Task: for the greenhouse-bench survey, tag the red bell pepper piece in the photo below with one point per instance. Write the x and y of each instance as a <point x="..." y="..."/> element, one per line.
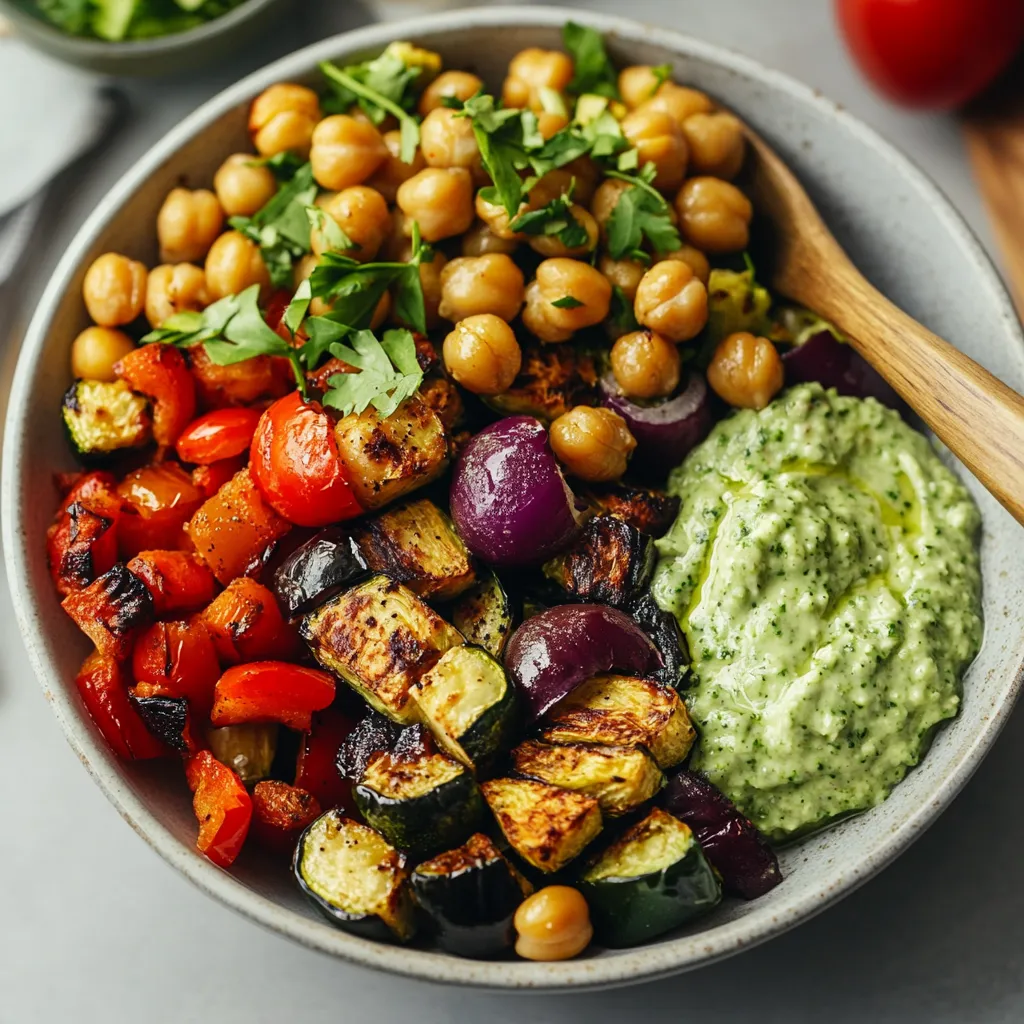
<point x="160" y="373"/>
<point x="210" y="479"/>
<point x="271" y="691"/>
<point x="178" y="582"/>
<point x="103" y="686"/>
<point x="80" y="486"/>
<point x="222" y="807"/>
<point x="295" y="462"/>
<point x="217" y="435"/>
<point x="316" y="766"/>
<point x="280" y="812"/>
<point x="242" y="383"/>
<point x="180" y="658"/>
<point x="82" y="542"/>
<point x="111" y="611"/>
<point x="246" y="624"/>
<point x="157" y="502"/>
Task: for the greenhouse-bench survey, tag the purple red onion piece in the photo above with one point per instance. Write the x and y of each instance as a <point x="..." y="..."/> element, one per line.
<point x="835" y="364"/>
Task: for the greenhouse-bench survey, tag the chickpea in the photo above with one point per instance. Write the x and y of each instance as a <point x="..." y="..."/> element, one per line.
<point x="303" y="269"/>
<point x="362" y="214"/>
<point x="606" y="198"/>
<point x="550" y="123"/>
<point x="746" y="371"/>
<point x="697" y="261"/>
<point x="114" y="289"/>
<point x="623" y="274"/>
<point x="553" y="924"/>
<point x="658" y="140"/>
<point x="480" y="240"/>
<point x="440" y="200"/>
<point x="637" y="84"/>
<point x="532" y="70"/>
<point x="397" y="246"/>
<point x="431" y="276"/>
<point x="463" y="85"/>
<point x="714" y="215"/>
<point x="587" y="176"/>
<point x="447" y="140"/>
<point x="187" y="224"/>
<point x="95" y="351"/>
<point x="243" y="186"/>
<point x="481" y="284"/>
<point x="282" y="118"/>
<point x="716" y="144"/>
<point x="557" y="279"/>
<point x="496" y="218"/>
<point x="552" y="245"/>
<point x="345" y="152"/>
<point x="232" y="265"/>
<point x="592" y="443"/>
<point x="672" y="301"/>
<point x="482" y="354"/>
<point x="678" y="102"/>
<point x="645" y="365"/>
<point x="393" y="171"/>
<point x="174" y="289"/>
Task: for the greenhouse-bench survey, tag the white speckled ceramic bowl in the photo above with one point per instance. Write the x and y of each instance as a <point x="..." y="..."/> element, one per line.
<point x="898" y="228"/>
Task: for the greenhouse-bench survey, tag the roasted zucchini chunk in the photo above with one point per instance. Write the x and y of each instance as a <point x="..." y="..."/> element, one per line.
<point x="358" y="881"/>
<point x="375" y="734"/>
<point x="552" y="379"/>
<point x="663" y="629"/>
<point x="388" y="458"/>
<point x="650" y="511"/>
<point x="471" y="894"/>
<point x="610" y="563"/>
<point x="620" y="711"/>
<point x="380" y="638"/>
<point x="417" y="545"/>
<point x="247" y="749"/>
<point x="420" y="799"/>
<point x="618" y="778"/>
<point x="545" y="825"/>
<point x="165" y="717"/>
<point x="470" y="704"/>
<point x="652" y="879"/>
<point x="103" y="417"/>
<point x="484" y="615"/>
<point x="322" y="567"/>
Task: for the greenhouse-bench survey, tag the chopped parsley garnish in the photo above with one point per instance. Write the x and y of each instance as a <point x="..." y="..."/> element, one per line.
<point x="642" y="212"/>
<point x="555" y="218"/>
<point x="567" y="302"/>
<point x="594" y="71"/>
<point x="389" y="373"/>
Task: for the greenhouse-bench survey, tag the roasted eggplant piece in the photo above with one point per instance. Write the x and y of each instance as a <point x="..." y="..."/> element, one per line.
<point x="375" y="734"/>
<point x="619" y="778"/>
<point x="610" y="563"/>
<point x="484" y="615"/>
<point x="419" y="799"/>
<point x="380" y="638"/>
<point x="648" y="510"/>
<point x="620" y="711"/>
<point x="471" y="894"/>
<point x="652" y="879"/>
<point x="738" y="851"/>
<point x="552" y="379"/>
<point x="470" y="704"/>
<point x="417" y="545"/>
<point x="166" y="718"/>
<point x="318" y="570"/>
<point x="663" y="629"/>
<point x="104" y="417"/>
<point x="547" y="826"/>
<point x="355" y="878"/>
<point x="247" y="749"/>
<point x="111" y="610"/>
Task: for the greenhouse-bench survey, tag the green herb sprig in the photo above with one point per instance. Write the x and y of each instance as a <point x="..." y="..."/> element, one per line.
<point x="594" y="72"/>
<point x="388" y="372"/>
<point x="642" y="212"/>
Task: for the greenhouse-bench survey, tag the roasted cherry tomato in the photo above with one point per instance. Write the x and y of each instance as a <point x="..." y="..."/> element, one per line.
<point x="271" y="691"/>
<point x="246" y="624"/>
<point x="316" y="766"/>
<point x="222" y="806"/>
<point x="177" y="581"/>
<point x="160" y="372"/>
<point x="932" y="53"/>
<point x="158" y="501"/>
<point x="295" y="462"/>
<point x="217" y="435"/>
<point x="180" y="658"/>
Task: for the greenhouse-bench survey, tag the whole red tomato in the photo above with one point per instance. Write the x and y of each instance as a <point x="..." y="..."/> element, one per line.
<point x="295" y="462"/>
<point x="932" y="53"/>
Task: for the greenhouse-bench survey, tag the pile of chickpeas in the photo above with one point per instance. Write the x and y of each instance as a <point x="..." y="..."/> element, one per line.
<point x="473" y="287"/>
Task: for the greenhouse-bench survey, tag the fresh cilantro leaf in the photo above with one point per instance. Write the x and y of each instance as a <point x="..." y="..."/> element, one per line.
<point x="641" y="213"/>
<point x="621" y="314"/>
<point x="388" y="373"/>
<point x="284" y="165"/>
<point x="594" y="71"/>
<point x="555" y="218"/>
<point x="296" y="310"/>
<point x="502" y="136"/>
<point x="662" y="73"/>
<point x="567" y="302"/>
<point x="336" y="240"/>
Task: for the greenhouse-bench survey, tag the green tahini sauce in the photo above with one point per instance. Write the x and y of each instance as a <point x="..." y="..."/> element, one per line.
<point x="824" y="567"/>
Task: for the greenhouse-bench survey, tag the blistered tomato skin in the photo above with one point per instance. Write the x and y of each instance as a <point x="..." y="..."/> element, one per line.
<point x="295" y="463"/>
<point x="217" y="435"/>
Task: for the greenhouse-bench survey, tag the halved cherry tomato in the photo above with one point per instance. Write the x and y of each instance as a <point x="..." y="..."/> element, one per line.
<point x="103" y="686"/>
<point x="158" y="501"/>
<point x="280" y="812"/>
<point x="160" y="372"/>
<point x="217" y="435"/>
<point x="180" y="658"/>
<point x="316" y="766"/>
<point x="222" y="807"/>
<point x="271" y="691"/>
<point x="177" y="580"/>
<point x="210" y="479"/>
<point x="295" y="462"/>
<point x="246" y="624"/>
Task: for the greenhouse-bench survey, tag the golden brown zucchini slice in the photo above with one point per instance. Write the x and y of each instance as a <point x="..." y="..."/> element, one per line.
<point x="103" y="417"/>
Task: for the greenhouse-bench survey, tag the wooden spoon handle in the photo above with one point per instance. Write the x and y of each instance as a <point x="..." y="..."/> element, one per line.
<point x="973" y="413"/>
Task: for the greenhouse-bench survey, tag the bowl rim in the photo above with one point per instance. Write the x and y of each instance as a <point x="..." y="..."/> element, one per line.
<point x="623" y="967"/>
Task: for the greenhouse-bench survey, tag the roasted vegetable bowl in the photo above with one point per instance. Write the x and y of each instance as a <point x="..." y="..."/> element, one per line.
<point x="411" y="620"/>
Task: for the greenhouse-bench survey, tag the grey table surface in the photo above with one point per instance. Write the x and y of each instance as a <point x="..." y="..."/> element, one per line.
<point x="95" y="927"/>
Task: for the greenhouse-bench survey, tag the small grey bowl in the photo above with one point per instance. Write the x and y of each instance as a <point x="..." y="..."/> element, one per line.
<point x="161" y="55"/>
<point x="896" y="226"/>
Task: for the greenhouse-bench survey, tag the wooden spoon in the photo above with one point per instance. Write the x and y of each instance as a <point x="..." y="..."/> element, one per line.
<point x="974" y="414"/>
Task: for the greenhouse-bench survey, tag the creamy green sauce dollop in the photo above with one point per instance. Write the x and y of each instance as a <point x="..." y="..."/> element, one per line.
<point x="824" y="567"/>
